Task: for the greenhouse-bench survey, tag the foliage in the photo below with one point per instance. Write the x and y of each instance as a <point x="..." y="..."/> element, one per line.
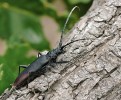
<point x="78" y="1"/>
<point x="22" y="31"/>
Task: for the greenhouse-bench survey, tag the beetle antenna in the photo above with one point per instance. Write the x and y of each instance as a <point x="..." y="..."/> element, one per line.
<point x="60" y="43"/>
<point x="70" y="43"/>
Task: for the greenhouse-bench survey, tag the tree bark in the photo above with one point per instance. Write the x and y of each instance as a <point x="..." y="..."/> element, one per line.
<point x="94" y="70"/>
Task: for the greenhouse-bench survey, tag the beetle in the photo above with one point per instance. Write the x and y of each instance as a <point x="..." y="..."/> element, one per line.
<point x="39" y="64"/>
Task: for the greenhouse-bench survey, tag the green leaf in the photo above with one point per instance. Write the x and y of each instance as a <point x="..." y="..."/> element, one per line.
<point x="1" y="72"/>
<point x="15" y="56"/>
<point x="22" y="25"/>
<point x="73" y="2"/>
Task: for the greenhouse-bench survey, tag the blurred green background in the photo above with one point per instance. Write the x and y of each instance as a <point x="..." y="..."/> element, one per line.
<point x="30" y="26"/>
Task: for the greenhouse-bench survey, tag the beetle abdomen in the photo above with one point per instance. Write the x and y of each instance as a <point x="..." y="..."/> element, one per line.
<point x="23" y="76"/>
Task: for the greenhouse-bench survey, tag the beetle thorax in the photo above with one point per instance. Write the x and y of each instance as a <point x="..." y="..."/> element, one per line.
<point x="54" y="53"/>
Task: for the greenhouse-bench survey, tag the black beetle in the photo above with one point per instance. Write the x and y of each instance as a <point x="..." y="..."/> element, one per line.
<point x="40" y="63"/>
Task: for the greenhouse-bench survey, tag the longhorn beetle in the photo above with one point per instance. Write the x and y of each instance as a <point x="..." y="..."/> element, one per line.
<point x="40" y="63"/>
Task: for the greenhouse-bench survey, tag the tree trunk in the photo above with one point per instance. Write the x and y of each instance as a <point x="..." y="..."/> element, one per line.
<point x="94" y="70"/>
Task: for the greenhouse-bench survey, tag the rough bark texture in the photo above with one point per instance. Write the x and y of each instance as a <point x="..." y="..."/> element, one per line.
<point x="94" y="70"/>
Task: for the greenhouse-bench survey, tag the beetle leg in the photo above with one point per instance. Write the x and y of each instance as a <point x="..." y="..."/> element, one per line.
<point x="21" y="66"/>
<point x="47" y="81"/>
<point x="28" y="80"/>
<point x="53" y="64"/>
<point x="39" y="54"/>
<point x="61" y="62"/>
